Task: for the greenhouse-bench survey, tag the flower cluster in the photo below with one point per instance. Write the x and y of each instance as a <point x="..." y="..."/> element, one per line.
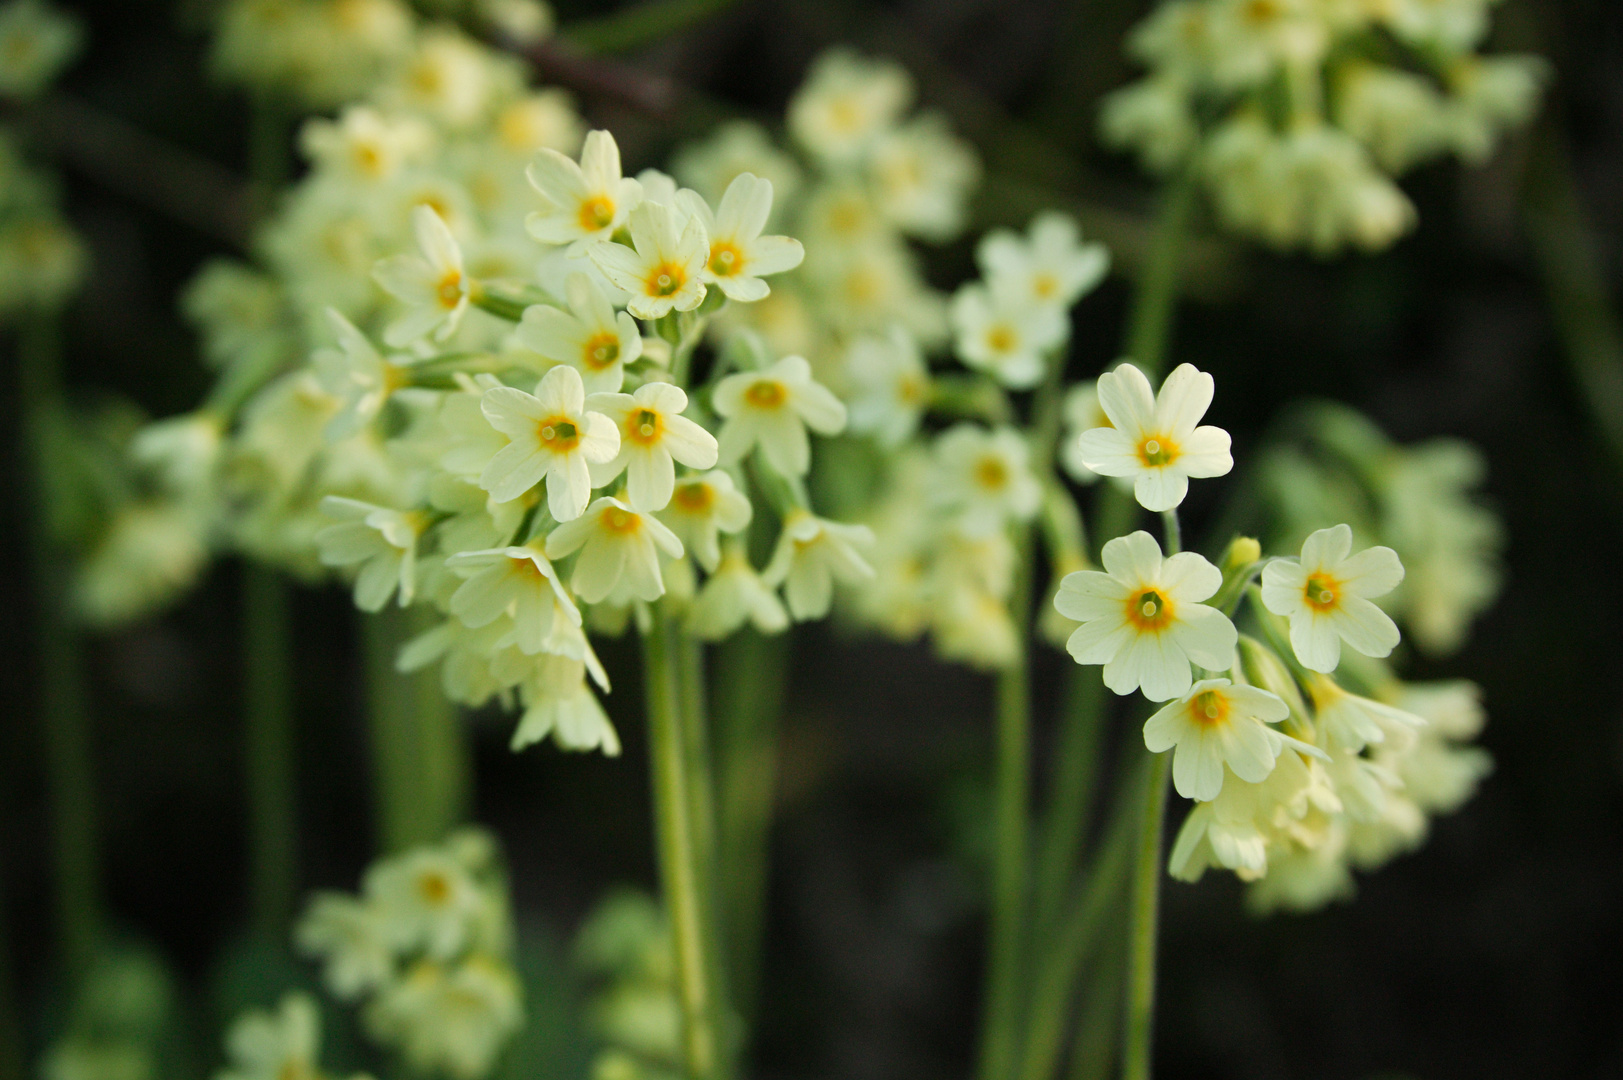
<point x="624" y="948"/>
<point x="1296" y="777"/>
<point x="427" y="946"/>
<point x="273" y="1045"/>
<point x="1298" y="113"/>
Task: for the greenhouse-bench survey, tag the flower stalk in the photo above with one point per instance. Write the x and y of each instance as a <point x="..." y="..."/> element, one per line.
<point x="268" y="708"/>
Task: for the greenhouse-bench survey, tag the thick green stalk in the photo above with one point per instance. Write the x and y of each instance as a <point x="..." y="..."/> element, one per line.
<point x="1149" y="324"/>
<point x="268" y="709"/>
<point x="420" y="769"/>
<point x="64" y="713"/>
<point x="1137" y="1032"/>
<point x="751" y="669"/>
<point x="1098" y="1026"/>
<point x="681" y="872"/>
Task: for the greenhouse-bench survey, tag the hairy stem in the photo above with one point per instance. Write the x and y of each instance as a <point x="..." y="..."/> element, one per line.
<point x="268" y="709"/>
<point x="680" y="863"/>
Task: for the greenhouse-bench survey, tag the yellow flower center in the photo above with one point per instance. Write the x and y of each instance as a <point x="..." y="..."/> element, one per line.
<point x="596" y="213"/>
<point x="434" y="889"/>
<point x="601" y="351"/>
<point x="666" y="279"/>
<point x="1262" y="12"/>
<point x="559" y="434"/>
<point x="695" y="498"/>
<point x="1002" y="338"/>
<point x="910" y="389"/>
<point x="1209" y="709"/>
<point x="844" y="114"/>
<point x="1045" y="286"/>
<point x="644" y="426"/>
<point x="991" y="473"/>
<point x="1157" y="450"/>
<point x="368" y="160"/>
<point x="449" y="289"/>
<point x="616" y="520"/>
<point x="766" y="394"/>
<point x="1148" y="611"/>
<point x="725" y="259"/>
<point x="1323" y="592"/>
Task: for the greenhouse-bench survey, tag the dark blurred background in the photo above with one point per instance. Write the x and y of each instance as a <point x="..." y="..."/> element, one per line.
<point x="1495" y="951"/>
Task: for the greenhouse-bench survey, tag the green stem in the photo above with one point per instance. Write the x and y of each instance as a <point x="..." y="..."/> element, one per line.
<point x="420" y="769"/>
<point x="1173" y="529"/>
<point x="751" y="669"/>
<point x="1149" y="324"/>
<point x="1137" y="1033"/>
<point x="679" y="857"/>
<point x="1073" y="941"/>
<point x="270" y="151"/>
<point x="1098" y="1027"/>
<point x="267" y="685"/>
<point x="641" y="24"/>
<point x="64" y="712"/>
<point x="1070" y="802"/>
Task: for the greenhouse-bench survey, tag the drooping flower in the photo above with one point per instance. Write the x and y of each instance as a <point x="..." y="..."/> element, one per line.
<point x="619" y="552"/>
<point x="1215" y="724"/>
<point x="774" y="408"/>
<point x="357" y="375"/>
<point x="1154" y="438"/>
<point x="264" y="1045"/>
<point x="581" y="203"/>
<point x="653" y="437"/>
<point x="433" y="285"/>
<point x="1326" y="595"/>
<point x="558" y="702"/>
<point x="1142" y="617"/>
<point x="1350" y="722"/>
<point x="382" y="541"/>
<point x="892" y="385"/>
<point x="590" y="337"/>
<point x="733" y="595"/>
<point x="700" y="507"/>
<point x="739" y="255"/>
<point x="813" y="553"/>
<point x="663" y="270"/>
<point x="515" y="581"/>
<point x="551" y="435"/>
<point x="348" y="936"/>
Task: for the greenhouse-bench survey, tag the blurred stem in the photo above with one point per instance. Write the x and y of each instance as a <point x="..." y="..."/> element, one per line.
<point x="420" y="768"/>
<point x="1149" y="323"/>
<point x="680" y="867"/>
<point x="1073" y="941"/>
<point x="1098" y="1031"/>
<point x="268" y="687"/>
<point x="1575" y="283"/>
<point x="1070" y="803"/>
<point x="64" y="714"/>
<point x="642" y="24"/>
<point x="270" y="152"/>
<point x="751" y="669"/>
<point x="1137" y="1032"/>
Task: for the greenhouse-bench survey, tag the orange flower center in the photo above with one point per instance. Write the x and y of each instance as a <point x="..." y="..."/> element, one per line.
<point x="1148" y="611"/>
<point x="1157" y="450"/>
<point x="596" y="213"/>
<point x="558" y="434"/>
<point x="434" y="888"/>
<point x="1209" y="709"/>
<point x="766" y="394"/>
<point x="1002" y="338"/>
<point x="666" y="279"/>
<point x="449" y="289"/>
<point x="620" y="521"/>
<point x="725" y="259"/>
<point x="601" y="351"/>
<point x="1323" y="592"/>
<point x="991" y="473"/>
<point x="1045" y="285"/>
<point x="695" y="498"/>
<point x="644" y="426"/>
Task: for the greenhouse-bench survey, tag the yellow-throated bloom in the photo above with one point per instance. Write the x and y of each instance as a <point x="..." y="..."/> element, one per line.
<point x="663" y="270"/>
<point x="1142" y="617"/>
<point x="774" y="408"/>
<point x="1154" y="438"/>
<point x="434" y="286"/>
<point x="590" y="337"/>
<point x="581" y="203"/>
<point x="702" y="506"/>
<point x="739" y="255"/>
<point x="813" y="553"/>
<point x="653" y="437"/>
<point x="1326" y="595"/>
<point x="619" y="552"/>
<point x="551" y="434"/>
<point x="1215" y="724"/>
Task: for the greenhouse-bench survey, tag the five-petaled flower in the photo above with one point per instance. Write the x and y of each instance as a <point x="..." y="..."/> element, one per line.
<point x="1154" y="438"/>
<point x="1326" y="595"/>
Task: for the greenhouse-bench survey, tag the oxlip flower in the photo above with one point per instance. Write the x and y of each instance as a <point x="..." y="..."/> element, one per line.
<point x="515" y="581"/>
<point x="619" y="552"/>
<point x="558" y="702"/>
<point x="663" y="270"/>
<point x="581" y="203"/>
<point x="739" y="255"/>
<point x="425" y="899"/>
<point x="1049" y="265"/>
<point x="551" y="435"/>
<point x="265" y="1044"/>
<point x="380" y="540"/>
<point x="653" y="437"/>
<point x="984" y="478"/>
<point x="590" y="337"/>
<point x="811" y="554"/>
<point x="1326" y="595"/>
<point x="1004" y="334"/>
<point x="433" y="285"/>
<point x="1350" y="722"/>
<point x="774" y="408"/>
<point x="1154" y="438"/>
<point x="733" y="595"/>
<point x="1142" y="617"/>
<point x="702" y="506"/>
<point x="357" y="375"/>
<point x="1215" y="724"/>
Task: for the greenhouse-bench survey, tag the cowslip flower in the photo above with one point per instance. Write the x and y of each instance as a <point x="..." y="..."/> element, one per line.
<point x="984" y="478"/>
<point x="1004" y="335"/>
<point x="663" y="270"/>
<point x="703" y="506"/>
<point x="891" y="385"/>
<point x="381" y="541"/>
<point x="590" y="337"/>
<point x="433" y="285"/>
<point x="1326" y="595"/>
<point x="581" y="203"/>
<point x="348" y="936"/>
<point x="1350" y="722"/>
<point x="425" y="899"/>
<point x="1142" y="617"/>
<point x="515" y="581"/>
<point x="1049" y="265"/>
<point x="845" y="103"/>
<point x="551" y="435"/>
<point x="1215" y="724"/>
<point x="1154" y="438"/>
<point x="357" y="375"/>
<point x="733" y="595"/>
<point x="653" y="437"/>
<point x="619" y="552"/>
<point x="774" y="408"/>
<point x="811" y="554"/>
<point x="558" y="702"/>
<point x="739" y="255"/>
